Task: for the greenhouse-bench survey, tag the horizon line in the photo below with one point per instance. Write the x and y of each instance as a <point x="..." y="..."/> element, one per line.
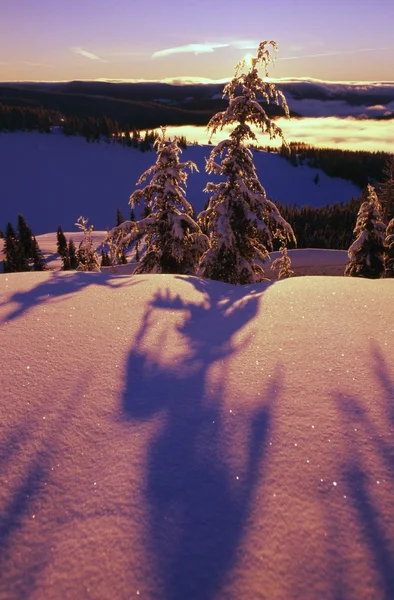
<point x="190" y="80"/>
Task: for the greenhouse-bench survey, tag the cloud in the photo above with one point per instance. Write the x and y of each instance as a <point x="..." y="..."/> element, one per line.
<point x="328" y="132"/>
<point x="332" y="53"/>
<point x="189" y="48"/>
<point x="86" y="54"/>
<point x="204" y="48"/>
<point x="245" y="44"/>
<point x="34" y="64"/>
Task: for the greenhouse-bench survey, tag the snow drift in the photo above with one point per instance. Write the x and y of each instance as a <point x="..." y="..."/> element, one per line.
<point x="177" y="438"/>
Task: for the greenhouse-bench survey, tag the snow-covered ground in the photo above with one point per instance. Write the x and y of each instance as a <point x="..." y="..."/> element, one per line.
<point x="308" y="261"/>
<point x="172" y="438"/>
<point x="52" y="180"/>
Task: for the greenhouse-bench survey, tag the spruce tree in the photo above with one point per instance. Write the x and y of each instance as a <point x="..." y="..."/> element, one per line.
<point x="174" y="241"/>
<point x="38" y="257"/>
<point x="12" y="261"/>
<point x="61" y="242"/>
<point x="25" y="238"/>
<point x="366" y="252"/>
<point x="389" y="250"/>
<point x="119" y="217"/>
<point x="105" y="260"/>
<point x="72" y="256"/>
<point x="240" y="220"/>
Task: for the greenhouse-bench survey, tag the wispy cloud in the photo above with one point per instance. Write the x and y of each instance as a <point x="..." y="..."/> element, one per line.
<point x="34" y="64"/>
<point x="207" y="47"/>
<point x="332" y="53"/>
<point x="245" y="44"/>
<point x="189" y="48"/>
<point x="86" y="54"/>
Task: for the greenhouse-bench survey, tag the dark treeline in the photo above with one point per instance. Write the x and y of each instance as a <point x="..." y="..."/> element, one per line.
<point x="328" y="227"/>
<point x="358" y="166"/>
<point x="27" y="118"/>
<point x="22" y="118"/>
<point x="120" y="103"/>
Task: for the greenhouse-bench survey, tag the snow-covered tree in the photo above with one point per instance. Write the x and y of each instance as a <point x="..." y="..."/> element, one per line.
<point x="366" y="252"/>
<point x="283" y="264"/>
<point x="174" y="241"/>
<point x="389" y="250"/>
<point x="240" y="220"/>
<point x="88" y="257"/>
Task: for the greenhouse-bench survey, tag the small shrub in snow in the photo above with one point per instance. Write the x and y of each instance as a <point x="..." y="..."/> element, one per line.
<point x="389" y="250"/>
<point x="88" y="258"/>
<point x="283" y="265"/>
<point x="240" y="220"/>
<point x="366" y="252"/>
<point x="174" y="241"/>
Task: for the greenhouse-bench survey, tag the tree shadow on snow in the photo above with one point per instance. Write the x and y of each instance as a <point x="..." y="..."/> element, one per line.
<point x="25" y="491"/>
<point x="198" y="503"/>
<point x="368" y="468"/>
<point x="60" y="285"/>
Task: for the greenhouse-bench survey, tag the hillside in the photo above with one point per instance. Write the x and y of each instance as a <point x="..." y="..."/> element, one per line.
<point x="68" y="177"/>
<point x="169" y="437"/>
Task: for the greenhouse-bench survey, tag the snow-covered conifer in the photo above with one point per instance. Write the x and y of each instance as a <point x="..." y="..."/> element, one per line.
<point x="174" y="241"/>
<point x="88" y="258"/>
<point x="366" y="252"/>
<point x="240" y="220"/>
<point x="389" y="250"/>
<point x="283" y="264"/>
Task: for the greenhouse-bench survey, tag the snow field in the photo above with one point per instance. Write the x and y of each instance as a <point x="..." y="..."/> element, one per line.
<point x="68" y="177"/>
<point x="171" y="437"/>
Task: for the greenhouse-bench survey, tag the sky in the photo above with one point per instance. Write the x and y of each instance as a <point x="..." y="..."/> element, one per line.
<point x="334" y="40"/>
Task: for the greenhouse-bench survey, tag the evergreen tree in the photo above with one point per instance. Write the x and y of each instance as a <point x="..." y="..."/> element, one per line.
<point x="61" y="242"/>
<point x="366" y="252"/>
<point x="87" y="255"/>
<point x="25" y="242"/>
<point x="241" y="221"/>
<point x="105" y="260"/>
<point x="174" y="240"/>
<point x="119" y="217"/>
<point x="12" y="259"/>
<point x="38" y="257"/>
<point x="72" y="255"/>
<point x="389" y="250"/>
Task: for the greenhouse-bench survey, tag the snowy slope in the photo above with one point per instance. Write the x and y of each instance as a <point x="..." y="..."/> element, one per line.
<point x="306" y="261"/>
<point x="52" y="180"/>
<point x="165" y="437"/>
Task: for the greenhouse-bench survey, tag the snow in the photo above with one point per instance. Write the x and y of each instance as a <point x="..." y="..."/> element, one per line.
<point x="68" y="177"/>
<point x="176" y="438"/>
<point x="306" y="261"/>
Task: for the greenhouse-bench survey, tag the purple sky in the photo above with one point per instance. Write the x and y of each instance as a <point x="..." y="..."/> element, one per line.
<point x="340" y="40"/>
